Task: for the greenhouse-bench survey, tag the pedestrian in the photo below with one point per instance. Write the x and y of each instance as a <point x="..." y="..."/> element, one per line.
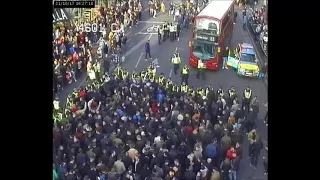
<point x="256" y="149"/>
<point x="235" y="15"/>
<point x="265" y="162"/>
<point x="225" y="167"/>
<point x="266" y="115"/>
<point x="244" y="23"/>
<point x="171" y="32"/>
<point x="176" y="62"/>
<point x="225" y="58"/>
<point x="201" y="69"/>
<point x="147" y="50"/>
<point x="185" y="74"/>
<point x="235" y="164"/>
<point x="160" y="32"/>
<point x="178" y="30"/>
<point x="251" y="120"/>
<point x="263" y="70"/>
<point x="244" y="12"/>
<point x="252" y="137"/>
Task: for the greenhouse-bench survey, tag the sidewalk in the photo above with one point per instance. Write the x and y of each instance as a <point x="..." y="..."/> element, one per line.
<point x="248" y="38"/>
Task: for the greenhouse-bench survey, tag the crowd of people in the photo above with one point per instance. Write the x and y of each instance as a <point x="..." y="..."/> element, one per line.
<point x="140" y="126"/>
<point x="259" y="27"/>
<point x="73" y="47"/>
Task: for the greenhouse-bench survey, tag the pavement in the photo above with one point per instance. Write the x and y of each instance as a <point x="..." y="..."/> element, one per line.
<point x="263" y="56"/>
<point x="222" y="78"/>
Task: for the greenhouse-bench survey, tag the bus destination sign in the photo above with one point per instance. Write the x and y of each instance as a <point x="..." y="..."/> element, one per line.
<point x="205" y="37"/>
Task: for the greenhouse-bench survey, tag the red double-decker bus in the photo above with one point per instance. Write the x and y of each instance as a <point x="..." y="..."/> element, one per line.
<point x="212" y="32"/>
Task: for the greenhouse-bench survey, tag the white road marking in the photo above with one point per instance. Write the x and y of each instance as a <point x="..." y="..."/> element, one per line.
<point x="150" y="36"/>
<point x="84" y="80"/>
<point x="170" y="73"/>
<point x="155" y="22"/>
<point x="139" y="60"/>
<point x="144" y="33"/>
<point x="126" y="54"/>
<point x="155" y="62"/>
<point x="135" y="47"/>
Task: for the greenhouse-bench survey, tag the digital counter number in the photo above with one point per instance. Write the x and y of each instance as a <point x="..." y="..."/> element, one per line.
<point x="94" y="27"/>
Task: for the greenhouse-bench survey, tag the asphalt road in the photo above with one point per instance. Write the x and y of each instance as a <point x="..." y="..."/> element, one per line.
<point x="221" y="78"/>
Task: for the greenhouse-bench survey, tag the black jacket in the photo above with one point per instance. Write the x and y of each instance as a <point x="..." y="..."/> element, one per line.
<point x="225" y="53"/>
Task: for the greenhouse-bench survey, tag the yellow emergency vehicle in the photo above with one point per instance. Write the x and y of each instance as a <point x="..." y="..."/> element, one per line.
<point x="244" y="60"/>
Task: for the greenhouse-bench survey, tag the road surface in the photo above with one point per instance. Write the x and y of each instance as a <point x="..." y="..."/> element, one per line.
<point x="221" y="78"/>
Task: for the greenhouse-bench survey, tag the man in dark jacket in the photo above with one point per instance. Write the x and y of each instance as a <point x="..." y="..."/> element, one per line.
<point x="256" y="149"/>
<point x="235" y="164"/>
<point x="225" y="58"/>
<point x="147" y="50"/>
<point x="189" y="175"/>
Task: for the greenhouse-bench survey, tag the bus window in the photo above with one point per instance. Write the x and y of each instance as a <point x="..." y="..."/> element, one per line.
<point x="204" y="50"/>
<point x="212" y="26"/>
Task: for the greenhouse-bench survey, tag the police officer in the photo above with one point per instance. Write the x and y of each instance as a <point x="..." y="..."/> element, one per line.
<point x="232" y="95"/>
<point x="168" y="85"/>
<point x="200" y="91"/>
<point x="171" y="31"/>
<point x="165" y="31"/>
<point x="118" y="70"/>
<point x="176" y="89"/>
<point x="56" y="104"/>
<point x="220" y="93"/>
<point x="174" y="31"/>
<point x="185" y="74"/>
<point x="160" y="31"/>
<point x="134" y="75"/>
<point x="125" y="75"/>
<point x="152" y="70"/>
<point x="176" y="61"/>
<point x="201" y="68"/>
<point x="161" y="79"/>
<point x="247" y="95"/>
<point x="143" y="74"/>
<point x="184" y="88"/>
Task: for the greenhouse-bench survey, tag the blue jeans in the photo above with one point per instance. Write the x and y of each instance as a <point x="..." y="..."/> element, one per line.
<point x="255" y="158"/>
<point x="225" y="59"/>
<point x="233" y="175"/>
<point x="94" y="38"/>
<point x="261" y="75"/>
